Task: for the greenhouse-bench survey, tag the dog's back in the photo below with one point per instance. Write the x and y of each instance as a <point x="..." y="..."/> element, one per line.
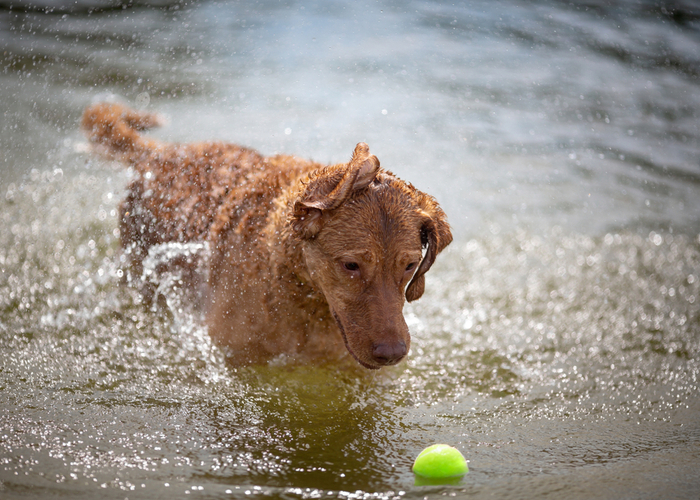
<point x="186" y="192"/>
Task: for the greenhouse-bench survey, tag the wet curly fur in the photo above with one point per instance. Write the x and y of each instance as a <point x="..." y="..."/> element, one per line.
<point x="307" y="260"/>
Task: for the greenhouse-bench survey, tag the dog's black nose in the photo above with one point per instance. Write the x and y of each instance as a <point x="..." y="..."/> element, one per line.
<point x="389" y="353"/>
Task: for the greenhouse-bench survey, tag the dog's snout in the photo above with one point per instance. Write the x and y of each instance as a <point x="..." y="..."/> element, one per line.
<point x="389" y="353"/>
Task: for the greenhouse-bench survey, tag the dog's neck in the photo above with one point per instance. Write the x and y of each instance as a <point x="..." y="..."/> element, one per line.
<point x="287" y="263"/>
<point x="291" y="280"/>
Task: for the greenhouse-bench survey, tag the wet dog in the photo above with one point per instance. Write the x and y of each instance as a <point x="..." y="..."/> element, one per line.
<point x="307" y="261"/>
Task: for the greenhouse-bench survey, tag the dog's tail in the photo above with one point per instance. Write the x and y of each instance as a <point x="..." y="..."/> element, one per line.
<point x="114" y="130"/>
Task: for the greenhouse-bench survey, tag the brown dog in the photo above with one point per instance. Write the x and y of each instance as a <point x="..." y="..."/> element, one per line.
<point x="305" y="258"/>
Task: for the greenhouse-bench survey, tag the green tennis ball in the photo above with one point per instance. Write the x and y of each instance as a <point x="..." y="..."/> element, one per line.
<point x="440" y="461"/>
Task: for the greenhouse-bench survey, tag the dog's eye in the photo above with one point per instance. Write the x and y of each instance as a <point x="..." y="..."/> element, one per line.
<point x="411" y="266"/>
<point x="352" y="266"/>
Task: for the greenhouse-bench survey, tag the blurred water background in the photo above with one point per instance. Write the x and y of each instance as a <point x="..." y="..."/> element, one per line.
<point x="557" y="345"/>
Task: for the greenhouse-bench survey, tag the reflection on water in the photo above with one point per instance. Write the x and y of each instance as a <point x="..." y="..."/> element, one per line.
<point x="557" y="345"/>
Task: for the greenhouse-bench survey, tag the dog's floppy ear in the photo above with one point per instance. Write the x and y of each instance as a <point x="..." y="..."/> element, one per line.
<point x="331" y="187"/>
<point x="436" y="235"/>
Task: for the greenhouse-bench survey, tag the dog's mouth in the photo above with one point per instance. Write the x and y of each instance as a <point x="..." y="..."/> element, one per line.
<point x="347" y="346"/>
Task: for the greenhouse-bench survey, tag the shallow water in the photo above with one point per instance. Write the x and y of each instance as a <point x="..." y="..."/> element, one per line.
<point x="558" y="342"/>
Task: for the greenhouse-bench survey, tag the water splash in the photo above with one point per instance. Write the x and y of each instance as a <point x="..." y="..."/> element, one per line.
<point x="564" y="314"/>
<point x="178" y="272"/>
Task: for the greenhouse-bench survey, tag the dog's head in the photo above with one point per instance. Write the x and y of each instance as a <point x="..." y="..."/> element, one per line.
<point x="363" y="233"/>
